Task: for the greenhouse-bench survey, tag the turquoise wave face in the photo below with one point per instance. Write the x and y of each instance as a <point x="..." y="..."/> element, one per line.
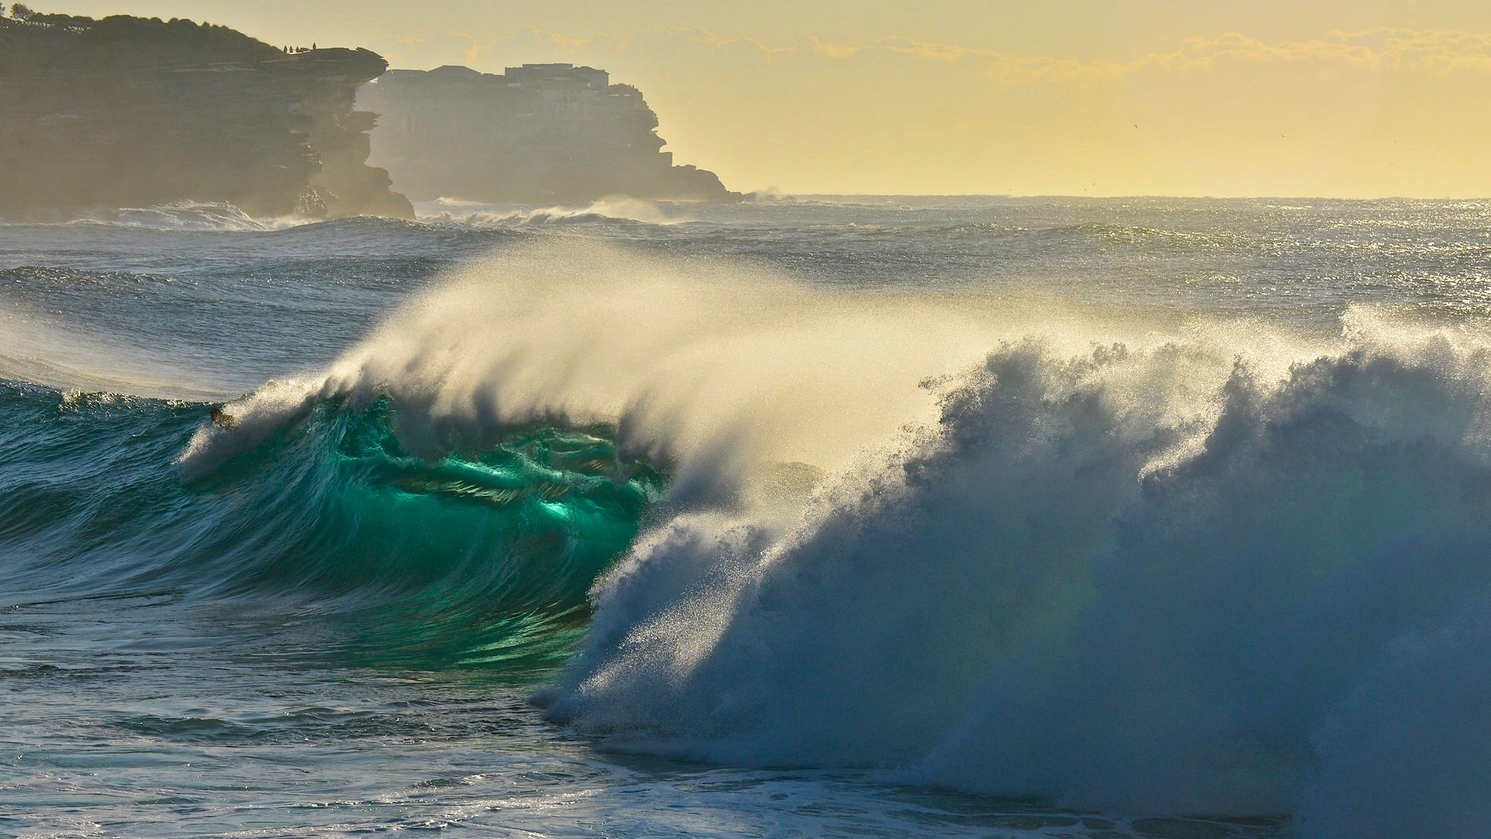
<point x="483" y="558"/>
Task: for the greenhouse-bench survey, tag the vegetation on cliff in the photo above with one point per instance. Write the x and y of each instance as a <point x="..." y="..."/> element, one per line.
<point x="129" y="112"/>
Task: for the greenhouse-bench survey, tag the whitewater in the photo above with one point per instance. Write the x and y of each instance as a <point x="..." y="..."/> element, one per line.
<point x="807" y="516"/>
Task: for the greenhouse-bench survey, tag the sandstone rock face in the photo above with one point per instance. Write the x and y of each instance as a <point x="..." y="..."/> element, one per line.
<point x="127" y="112"/>
<point x="537" y="134"/>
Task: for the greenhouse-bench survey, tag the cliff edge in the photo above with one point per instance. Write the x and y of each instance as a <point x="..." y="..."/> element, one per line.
<point x="129" y="112"/>
<point x="540" y="133"/>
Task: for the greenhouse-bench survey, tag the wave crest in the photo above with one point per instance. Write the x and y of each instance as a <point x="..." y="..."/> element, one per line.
<point x="610" y="209"/>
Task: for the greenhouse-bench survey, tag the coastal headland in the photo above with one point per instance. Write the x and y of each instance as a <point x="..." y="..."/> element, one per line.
<point x="99" y="115"/>
<point x="130" y="112"/>
<point x="539" y="133"/>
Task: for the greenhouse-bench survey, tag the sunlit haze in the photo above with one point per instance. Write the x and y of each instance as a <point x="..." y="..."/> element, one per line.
<point x="1079" y="97"/>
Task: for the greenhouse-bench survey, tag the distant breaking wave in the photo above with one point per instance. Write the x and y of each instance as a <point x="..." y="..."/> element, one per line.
<point x="477" y="214"/>
<point x="192" y="216"/>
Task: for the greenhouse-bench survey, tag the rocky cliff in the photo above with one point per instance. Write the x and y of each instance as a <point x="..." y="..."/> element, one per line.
<point x="540" y="133"/>
<point x="128" y="112"/>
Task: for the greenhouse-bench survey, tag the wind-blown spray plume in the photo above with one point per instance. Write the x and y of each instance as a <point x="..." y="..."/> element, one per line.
<point x="707" y="366"/>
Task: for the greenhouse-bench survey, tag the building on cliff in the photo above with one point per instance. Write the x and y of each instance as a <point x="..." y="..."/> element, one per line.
<point x="129" y="112"/>
<point x="540" y="133"/>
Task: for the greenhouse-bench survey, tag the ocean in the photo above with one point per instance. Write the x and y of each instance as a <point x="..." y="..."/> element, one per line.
<point x="806" y="516"/>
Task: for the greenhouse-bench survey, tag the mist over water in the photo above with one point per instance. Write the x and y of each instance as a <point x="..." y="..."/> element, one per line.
<point x="1135" y="513"/>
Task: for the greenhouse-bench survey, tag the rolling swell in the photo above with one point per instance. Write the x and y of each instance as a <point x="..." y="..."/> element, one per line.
<point x="477" y="558"/>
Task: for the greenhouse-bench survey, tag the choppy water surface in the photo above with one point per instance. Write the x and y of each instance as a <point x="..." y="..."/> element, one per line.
<point x="830" y="516"/>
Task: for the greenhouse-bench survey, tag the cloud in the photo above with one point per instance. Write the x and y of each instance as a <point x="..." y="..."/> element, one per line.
<point x="706" y="38"/>
<point x="1382" y="50"/>
<point x="430" y="50"/>
<point x="566" y="44"/>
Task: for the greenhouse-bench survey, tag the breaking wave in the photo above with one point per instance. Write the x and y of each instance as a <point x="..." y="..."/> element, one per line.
<point x="1114" y="580"/>
<point x="1192" y="572"/>
<point x="193" y="216"/>
<point x="1005" y="547"/>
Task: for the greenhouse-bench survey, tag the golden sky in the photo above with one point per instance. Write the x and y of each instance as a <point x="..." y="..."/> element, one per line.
<point x="1365" y="98"/>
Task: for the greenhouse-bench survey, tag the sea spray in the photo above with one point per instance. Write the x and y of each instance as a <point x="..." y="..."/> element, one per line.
<point x="42" y="348"/>
<point x="1067" y="591"/>
<point x="715" y="368"/>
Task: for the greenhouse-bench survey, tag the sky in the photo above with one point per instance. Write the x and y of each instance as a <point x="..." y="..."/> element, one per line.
<point x="1358" y="98"/>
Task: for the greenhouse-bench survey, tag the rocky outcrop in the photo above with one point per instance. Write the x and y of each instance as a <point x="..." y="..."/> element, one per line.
<point x="128" y="112"/>
<point x="540" y="133"/>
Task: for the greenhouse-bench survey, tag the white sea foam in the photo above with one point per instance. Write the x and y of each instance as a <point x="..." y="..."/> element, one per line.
<point x="617" y="207"/>
<point x="193" y="216"/>
<point x="1068" y="591"/>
